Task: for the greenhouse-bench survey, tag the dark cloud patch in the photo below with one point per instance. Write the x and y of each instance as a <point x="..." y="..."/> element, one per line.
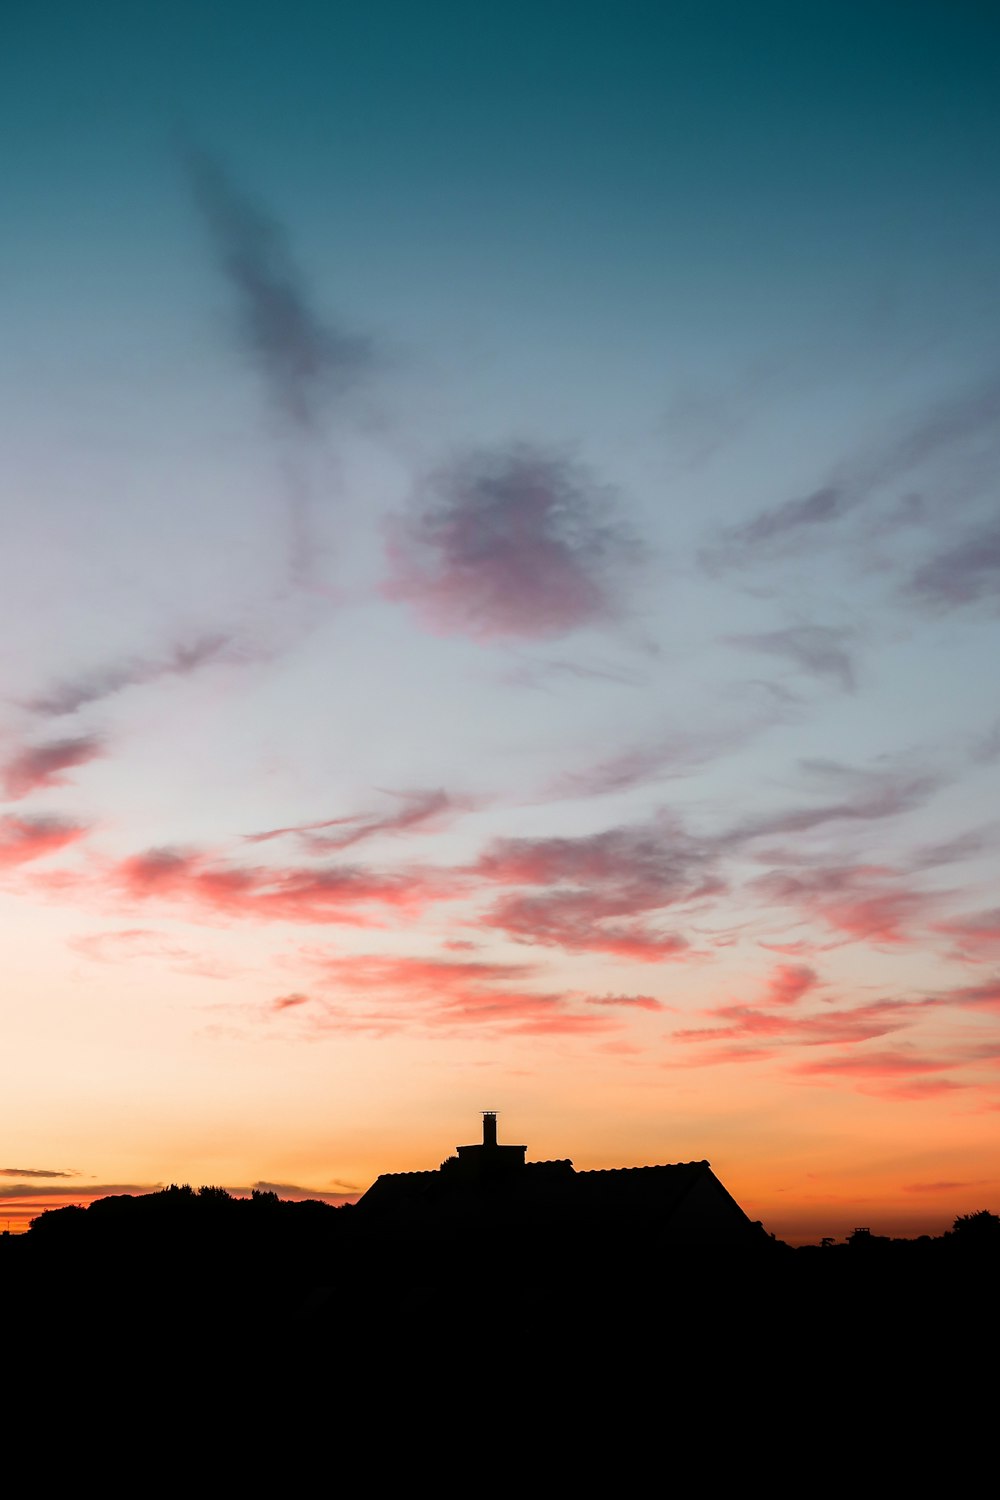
<point x="819" y="650"/>
<point x="511" y="543"/>
<point x="599" y="889"/>
<point x="76" y="1194"/>
<point x="966" y="573"/>
<point x="45" y="765"/>
<point x="181" y="661"/>
<point x="290" y="1191"/>
<point x="34" y="1172"/>
<point x="289" y="1002"/>
<point x="301" y="357"/>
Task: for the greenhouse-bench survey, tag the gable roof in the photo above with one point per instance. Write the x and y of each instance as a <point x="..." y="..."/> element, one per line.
<point x="492" y="1188"/>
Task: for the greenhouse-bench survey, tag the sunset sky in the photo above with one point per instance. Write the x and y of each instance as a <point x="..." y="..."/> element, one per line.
<point x="500" y="580"/>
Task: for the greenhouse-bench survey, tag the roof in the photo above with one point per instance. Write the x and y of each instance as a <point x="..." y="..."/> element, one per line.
<point x="488" y="1190"/>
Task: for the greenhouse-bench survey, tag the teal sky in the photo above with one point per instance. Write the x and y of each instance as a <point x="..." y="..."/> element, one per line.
<point x="501" y="567"/>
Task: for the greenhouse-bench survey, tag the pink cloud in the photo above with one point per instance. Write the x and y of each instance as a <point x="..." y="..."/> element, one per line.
<point x="24" y="839"/>
<point x="448" y="992"/>
<point x="511" y="543"/>
<point x="639" y="1002"/>
<point x="984" y="996"/>
<point x="260" y="892"/>
<point x="598" y="889"/>
<point x="789" y="982"/>
<point x="865" y="902"/>
<point x="126" y="945"/>
<point x="581" y="923"/>
<point x="830" y="1026"/>
<point x="975" y="936"/>
<point x="289" y="1002"/>
<point x="44" y="765"/>
<point x="901" y="1074"/>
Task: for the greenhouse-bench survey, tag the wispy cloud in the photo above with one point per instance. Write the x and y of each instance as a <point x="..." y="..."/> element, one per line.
<point x="789" y="522"/>
<point x="819" y="650"/>
<point x="675" y="753"/>
<point x="182" y="660"/>
<point x="779" y="1027"/>
<point x="129" y="944"/>
<point x="340" y="1192"/>
<point x="863" y="902"/>
<point x="952" y="431"/>
<point x="984" y="996"/>
<point x="74" y="1194"/>
<point x="419" y="811"/>
<point x="976" y="936"/>
<point x="301" y="356"/>
<point x="966" y="572"/>
<point x="900" y="1074"/>
<point x="24" y="839"/>
<point x="452" y="993"/>
<point x="511" y="543"/>
<point x="864" y="796"/>
<point x="45" y="765"/>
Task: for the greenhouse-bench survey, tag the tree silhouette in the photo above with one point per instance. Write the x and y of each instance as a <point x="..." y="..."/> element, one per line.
<point x="982" y="1228"/>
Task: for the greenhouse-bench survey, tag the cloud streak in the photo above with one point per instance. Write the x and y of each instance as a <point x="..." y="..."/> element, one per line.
<point x="818" y="650"/>
<point x="454" y="993"/>
<point x="950" y="431"/>
<point x="301" y="356"/>
<point x="967" y="572"/>
<point x="42" y="766"/>
<point x="335" y="893"/>
<point x="420" y="811"/>
<point x="26" y="839"/>
<point x="183" y="660"/>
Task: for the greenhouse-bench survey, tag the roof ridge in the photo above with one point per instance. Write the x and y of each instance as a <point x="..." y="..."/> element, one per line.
<point x="657" y="1167"/>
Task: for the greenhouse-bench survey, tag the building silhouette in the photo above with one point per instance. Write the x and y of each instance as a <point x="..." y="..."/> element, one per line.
<point x="489" y="1187"/>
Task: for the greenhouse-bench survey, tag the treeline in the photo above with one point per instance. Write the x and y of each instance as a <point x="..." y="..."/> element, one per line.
<point x="180" y="1215"/>
<point x="199" y="1277"/>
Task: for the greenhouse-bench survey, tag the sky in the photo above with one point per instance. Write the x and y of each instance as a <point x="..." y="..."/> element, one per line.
<point x="499" y="584"/>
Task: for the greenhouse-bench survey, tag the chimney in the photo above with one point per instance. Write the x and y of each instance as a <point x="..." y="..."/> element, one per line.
<point x="489" y="1127"/>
